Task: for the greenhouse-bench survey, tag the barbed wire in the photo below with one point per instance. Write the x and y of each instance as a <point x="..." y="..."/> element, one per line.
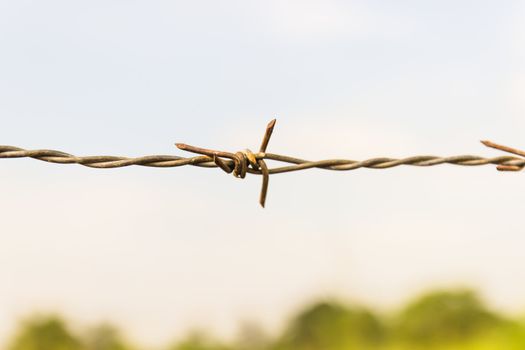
<point x="246" y="162"/>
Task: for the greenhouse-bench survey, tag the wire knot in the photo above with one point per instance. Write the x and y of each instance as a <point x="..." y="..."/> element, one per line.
<point x="242" y="162"/>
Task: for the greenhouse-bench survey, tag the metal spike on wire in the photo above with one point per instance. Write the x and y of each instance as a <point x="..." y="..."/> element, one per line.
<point x="247" y="162"/>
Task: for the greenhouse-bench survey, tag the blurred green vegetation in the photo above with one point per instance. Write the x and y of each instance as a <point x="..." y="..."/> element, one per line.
<point x="445" y="320"/>
<point x="51" y="333"/>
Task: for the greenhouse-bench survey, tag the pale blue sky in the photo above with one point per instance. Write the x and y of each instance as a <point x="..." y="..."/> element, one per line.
<point x="162" y="250"/>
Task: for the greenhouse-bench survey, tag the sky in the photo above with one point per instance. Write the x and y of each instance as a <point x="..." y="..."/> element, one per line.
<point x="162" y="251"/>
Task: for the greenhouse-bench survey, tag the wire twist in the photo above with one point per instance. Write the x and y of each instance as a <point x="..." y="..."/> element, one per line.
<point x="246" y="162"/>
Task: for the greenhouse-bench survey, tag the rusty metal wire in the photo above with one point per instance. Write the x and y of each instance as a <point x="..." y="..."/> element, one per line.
<point x="244" y="162"/>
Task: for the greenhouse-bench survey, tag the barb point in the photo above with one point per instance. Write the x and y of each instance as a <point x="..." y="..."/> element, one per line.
<point x="504" y="148"/>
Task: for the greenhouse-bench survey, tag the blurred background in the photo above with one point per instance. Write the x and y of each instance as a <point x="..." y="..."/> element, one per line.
<point x="184" y="258"/>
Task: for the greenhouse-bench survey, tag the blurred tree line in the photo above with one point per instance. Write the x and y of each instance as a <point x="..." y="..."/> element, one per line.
<point x="448" y="320"/>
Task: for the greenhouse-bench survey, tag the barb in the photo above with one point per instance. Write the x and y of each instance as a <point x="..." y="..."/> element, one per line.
<point x="247" y="162"/>
<point x="504" y="167"/>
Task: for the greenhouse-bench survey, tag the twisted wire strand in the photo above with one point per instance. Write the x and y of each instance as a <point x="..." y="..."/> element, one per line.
<point x="384" y="163"/>
<point x="105" y="162"/>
